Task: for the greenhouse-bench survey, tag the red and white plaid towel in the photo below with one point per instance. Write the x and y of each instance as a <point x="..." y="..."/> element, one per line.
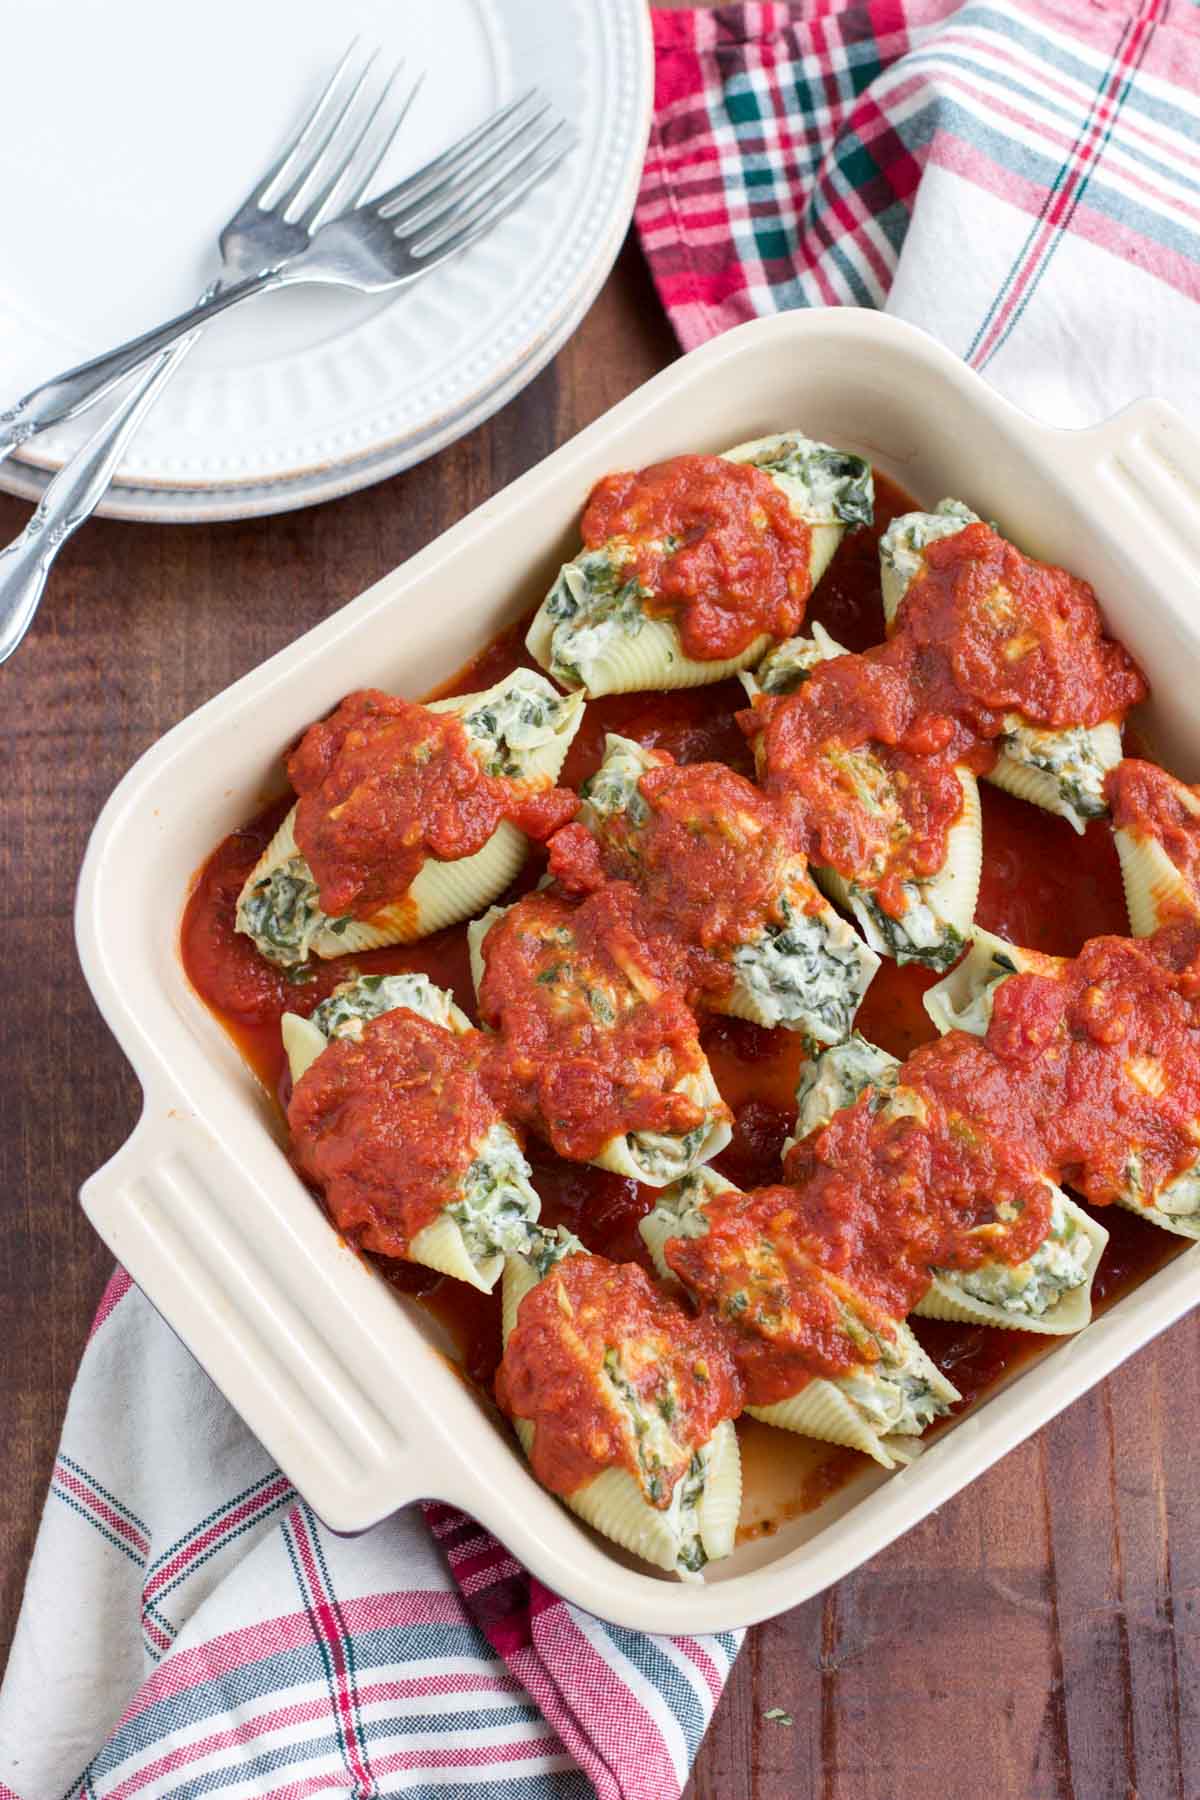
<point x="1021" y="177"/>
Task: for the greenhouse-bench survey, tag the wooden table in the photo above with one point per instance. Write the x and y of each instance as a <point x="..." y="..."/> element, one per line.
<point x="1035" y="1639"/>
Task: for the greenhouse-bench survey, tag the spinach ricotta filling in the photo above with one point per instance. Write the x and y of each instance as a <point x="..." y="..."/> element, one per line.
<point x="590" y="605"/>
<point x="824" y="485"/>
<point x="837" y="1077"/>
<point x="498" y="1204"/>
<point x="808" y="970"/>
<point x="522" y="719"/>
<point x="1178" y="1198"/>
<point x="1031" y="1288"/>
<point x="902" y="546"/>
<point x="282" y="913"/>
<point x="352" y="1003"/>
<point x="666" y="1158"/>
<point x="788" y="666"/>
<point x="1073" y="759"/>
<point x="922" y="935"/>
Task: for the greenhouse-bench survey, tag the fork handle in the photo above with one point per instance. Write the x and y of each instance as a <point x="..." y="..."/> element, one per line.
<point x="71" y="498"/>
<point x="70" y="393"/>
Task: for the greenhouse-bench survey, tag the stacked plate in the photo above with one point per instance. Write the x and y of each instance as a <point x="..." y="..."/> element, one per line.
<point x="116" y="196"/>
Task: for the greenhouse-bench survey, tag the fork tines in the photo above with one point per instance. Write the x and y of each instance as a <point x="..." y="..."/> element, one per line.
<point x="469" y="187"/>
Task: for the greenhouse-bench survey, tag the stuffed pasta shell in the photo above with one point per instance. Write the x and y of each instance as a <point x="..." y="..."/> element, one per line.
<point x="1100" y="1053"/>
<point x="708" y="853"/>
<point x="690" y="568"/>
<point x="598" y="1051"/>
<point x="883" y="805"/>
<point x="1156" y="828"/>
<point x="392" y="1119"/>
<point x="1047" y="1290"/>
<point x="1024" y="650"/>
<point x="410" y="817"/>
<point x="623" y="1403"/>
<point x="813" y="1355"/>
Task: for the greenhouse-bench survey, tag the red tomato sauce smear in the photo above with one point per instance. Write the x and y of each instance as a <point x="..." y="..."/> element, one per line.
<point x="1043" y="886"/>
<point x="713" y="545"/>
<point x="385" y="783"/>
<point x="674" y="1361"/>
<point x="981" y="631"/>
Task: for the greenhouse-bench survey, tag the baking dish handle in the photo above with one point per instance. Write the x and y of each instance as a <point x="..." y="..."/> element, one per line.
<point x="1144" y="466"/>
<point x="200" y="1235"/>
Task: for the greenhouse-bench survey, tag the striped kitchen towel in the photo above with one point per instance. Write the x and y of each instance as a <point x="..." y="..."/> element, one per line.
<point x="1019" y="177"/>
<point x="190" y="1629"/>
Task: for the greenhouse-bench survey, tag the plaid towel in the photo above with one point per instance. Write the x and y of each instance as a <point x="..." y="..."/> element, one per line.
<point x="1022" y="178"/>
<point x="1019" y="177"/>
<point x="190" y="1629"/>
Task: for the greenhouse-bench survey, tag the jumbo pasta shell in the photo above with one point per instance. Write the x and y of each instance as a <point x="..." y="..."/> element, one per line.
<point x="441" y="1246"/>
<point x="443" y="893"/>
<point x="1179" y="1225"/>
<point x="613" y="1503"/>
<point x="1041" y="788"/>
<point x="634" y="1154"/>
<point x="822" y="1410"/>
<point x="960" y="1001"/>
<point x="951" y="894"/>
<point x="1154" y="888"/>
<point x="653" y="657"/>
<point x="1069" y="1314"/>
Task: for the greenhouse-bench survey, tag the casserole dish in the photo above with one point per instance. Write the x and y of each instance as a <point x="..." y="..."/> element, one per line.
<point x="342" y="1379"/>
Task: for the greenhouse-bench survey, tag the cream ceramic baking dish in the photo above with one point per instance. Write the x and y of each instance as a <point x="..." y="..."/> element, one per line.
<point x="344" y="1381"/>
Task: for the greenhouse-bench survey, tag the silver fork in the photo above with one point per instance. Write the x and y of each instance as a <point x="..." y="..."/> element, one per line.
<point x="331" y="161"/>
<point x="328" y="165"/>
<point x="385" y="243"/>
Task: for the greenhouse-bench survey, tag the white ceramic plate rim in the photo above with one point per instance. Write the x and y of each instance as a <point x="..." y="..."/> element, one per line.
<point x="181" y="501"/>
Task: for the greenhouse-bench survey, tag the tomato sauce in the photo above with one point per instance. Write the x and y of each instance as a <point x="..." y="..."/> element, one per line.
<point x="865" y="754"/>
<point x="588" y="1313"/>
<point x="384" y="784"/>
<point x="593" y="1032"/>
<point x="713" y="544"/>
<point x="1042" y="885"/>
<point x="709" y="857"/>
<point x="386" y="1125"/>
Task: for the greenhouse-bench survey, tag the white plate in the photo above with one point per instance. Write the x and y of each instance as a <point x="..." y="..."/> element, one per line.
<point x="115" y="194"/>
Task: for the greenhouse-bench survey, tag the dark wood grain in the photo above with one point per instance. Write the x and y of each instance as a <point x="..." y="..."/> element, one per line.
<point x="1035" y="1640"/>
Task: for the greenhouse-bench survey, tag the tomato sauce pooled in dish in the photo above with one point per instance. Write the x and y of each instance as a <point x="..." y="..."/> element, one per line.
<point x="865" y="752"/>
<point x="384" y="784"/>
<point x="594" y="1030"/>
<point x="588" y="1329"/>
<point x="714" y="544"/>
<point x="709" y="858"/>
<point x="1148" y="803"/>
<point x="387" y="1126"/>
